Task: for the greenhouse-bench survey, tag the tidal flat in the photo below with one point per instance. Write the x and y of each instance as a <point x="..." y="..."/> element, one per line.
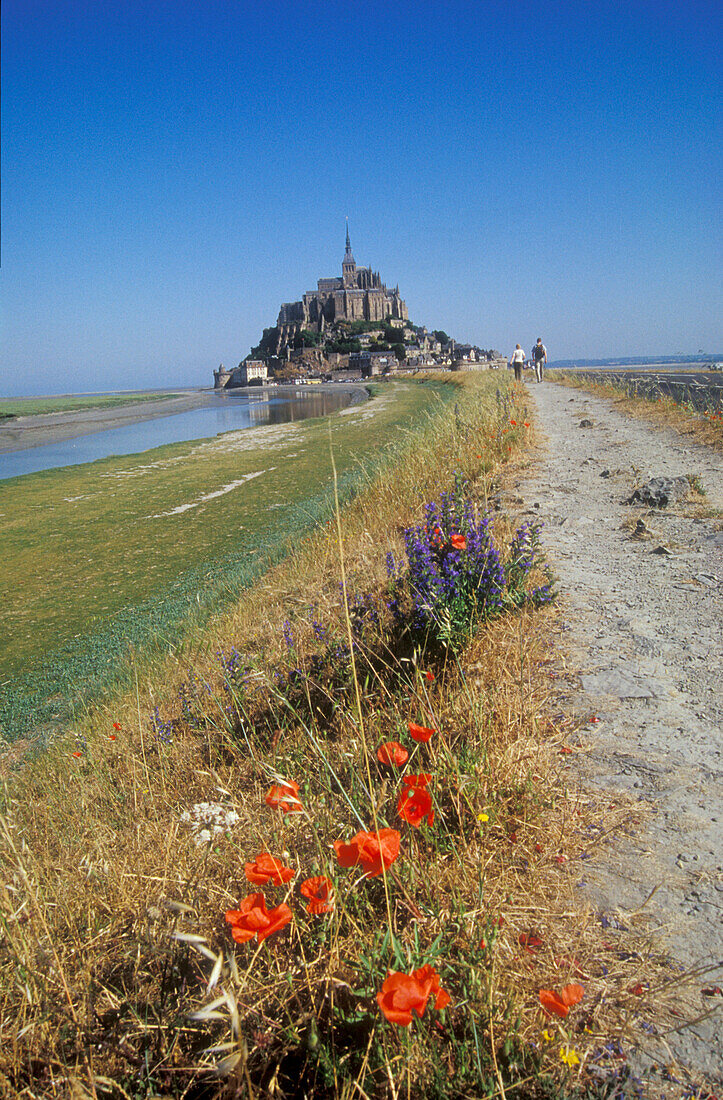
<point x="129" y="555"/>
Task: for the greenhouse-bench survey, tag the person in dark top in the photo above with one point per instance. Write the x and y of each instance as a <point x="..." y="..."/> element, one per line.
<point x="539" y="357"/>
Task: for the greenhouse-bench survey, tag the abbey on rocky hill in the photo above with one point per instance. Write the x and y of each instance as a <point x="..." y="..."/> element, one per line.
<point x="357" y="295"/>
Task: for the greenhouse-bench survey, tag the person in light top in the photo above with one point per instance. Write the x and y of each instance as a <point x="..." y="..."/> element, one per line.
<point x="516" y="360"/>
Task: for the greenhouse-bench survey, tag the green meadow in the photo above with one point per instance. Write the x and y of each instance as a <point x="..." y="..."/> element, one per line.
<point x="130" y="555"/>
<point x="37" y="406"/>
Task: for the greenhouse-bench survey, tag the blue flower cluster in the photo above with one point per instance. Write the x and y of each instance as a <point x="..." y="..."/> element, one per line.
<point x="525" y="553"/>
<point x="455" y="576"/>
<point x="163" y="731"/>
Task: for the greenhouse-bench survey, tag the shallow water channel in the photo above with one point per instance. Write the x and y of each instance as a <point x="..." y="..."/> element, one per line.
<point x="224" y="413"/>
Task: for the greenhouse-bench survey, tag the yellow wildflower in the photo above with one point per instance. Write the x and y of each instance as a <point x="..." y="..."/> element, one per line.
<point x="569" y="1057"/>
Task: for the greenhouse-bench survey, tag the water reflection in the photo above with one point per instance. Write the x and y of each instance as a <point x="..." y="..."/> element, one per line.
<point x="224" y="413"/>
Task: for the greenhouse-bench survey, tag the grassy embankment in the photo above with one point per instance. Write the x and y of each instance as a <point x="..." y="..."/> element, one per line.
<point x="661" y="409"/>
<point x="10" y="408"/>
<point x="118" y="974"/>
<point x="139" y="550"/>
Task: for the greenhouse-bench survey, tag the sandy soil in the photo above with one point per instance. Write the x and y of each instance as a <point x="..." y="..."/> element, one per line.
<point x="35" y="431"/>
<point x="645" y="618"/>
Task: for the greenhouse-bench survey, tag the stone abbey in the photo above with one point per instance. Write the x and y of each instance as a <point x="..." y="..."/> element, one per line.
<point x="357" y="295"/>
<point x="352" y="326"/>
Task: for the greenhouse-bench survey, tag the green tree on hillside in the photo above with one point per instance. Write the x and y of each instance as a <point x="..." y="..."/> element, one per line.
<point x="307" y="339"/>
<point x="344" y="345"/>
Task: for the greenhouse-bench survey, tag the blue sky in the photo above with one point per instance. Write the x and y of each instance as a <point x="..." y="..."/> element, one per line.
<point x="173" y="171"/>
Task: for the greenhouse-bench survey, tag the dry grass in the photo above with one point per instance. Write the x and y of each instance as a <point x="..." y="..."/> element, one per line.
<point x="117" y="972"/>
<point x="664" y="411"/>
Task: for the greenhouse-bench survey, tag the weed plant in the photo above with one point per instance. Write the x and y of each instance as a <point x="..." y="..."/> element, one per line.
<point x="330" y="853"/>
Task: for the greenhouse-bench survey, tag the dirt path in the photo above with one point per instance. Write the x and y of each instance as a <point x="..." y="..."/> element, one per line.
<point x="645" y="627"/>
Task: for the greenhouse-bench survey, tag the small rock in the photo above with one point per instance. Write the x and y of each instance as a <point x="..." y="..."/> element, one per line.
<point x="605" y="473"/>
<point x="660" y="491"/>
<point x="585" y="423"/>
<point x="663" y="551"/>
<point x="642" y="531"/>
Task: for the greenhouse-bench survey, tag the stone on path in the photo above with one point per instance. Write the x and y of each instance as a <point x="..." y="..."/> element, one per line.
<point x="659" y="491"/>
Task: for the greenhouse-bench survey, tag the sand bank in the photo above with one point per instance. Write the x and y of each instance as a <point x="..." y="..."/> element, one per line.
<point x="36" y="431"/>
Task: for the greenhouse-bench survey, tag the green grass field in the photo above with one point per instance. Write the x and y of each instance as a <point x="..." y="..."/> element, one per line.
<point x="139" y="550"/>
<point x="37" y="406"/>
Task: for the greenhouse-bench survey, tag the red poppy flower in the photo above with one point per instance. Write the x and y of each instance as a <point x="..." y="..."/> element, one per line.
<point x="458" y="542"/>
<point x="513" y="423"/>
<point x="527" y="423"/>
<point x="561" y="1003"/>
<point x="112" y="737"/>
<point x="529" y="941"/>
<point x="286" y="797"/>
<point x="116" y="725"/>
<point x="415" y="803"/>
<point x="372" y="851"/>
<point x="392" y="753"/>
<point x="266" y="868"/>
<point x="403" y="994"/>
<point x="429" y="676"/>
<point x="564" y="749"/>
<point x="441" y="997"/>
<point x="420" y="733"/>
<point x="77" y="755"/>
<point x="320" y="892"/>
<point x="253" y="919"/>
<point x="421" y="780"/>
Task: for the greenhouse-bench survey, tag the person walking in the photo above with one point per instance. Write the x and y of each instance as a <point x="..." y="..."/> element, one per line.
<point x="539" y="357"/>
<point x="516" y="360"/>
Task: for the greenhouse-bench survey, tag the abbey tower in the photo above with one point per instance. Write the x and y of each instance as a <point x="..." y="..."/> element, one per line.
<point x="358" y="295"/>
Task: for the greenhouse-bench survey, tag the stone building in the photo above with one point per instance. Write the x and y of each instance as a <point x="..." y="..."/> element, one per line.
<point x="372" y="363"/>
<point x="221" y="377"/>
<point x="357" y="295"/>
<point x="252" y="372"/>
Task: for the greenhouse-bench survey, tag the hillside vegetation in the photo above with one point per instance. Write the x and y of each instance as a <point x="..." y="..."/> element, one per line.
<point x="139" y="550"/>
<point x="330" y="849"/>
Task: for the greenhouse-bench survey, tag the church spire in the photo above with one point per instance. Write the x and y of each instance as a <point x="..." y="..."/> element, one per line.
<point x="348" y="264"/>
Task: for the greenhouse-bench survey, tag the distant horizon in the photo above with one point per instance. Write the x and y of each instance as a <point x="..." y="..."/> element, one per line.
<point x="623" y="360"/>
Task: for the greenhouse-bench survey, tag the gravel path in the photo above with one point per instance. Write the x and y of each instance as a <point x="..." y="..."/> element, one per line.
<point x="645" y="617"/>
